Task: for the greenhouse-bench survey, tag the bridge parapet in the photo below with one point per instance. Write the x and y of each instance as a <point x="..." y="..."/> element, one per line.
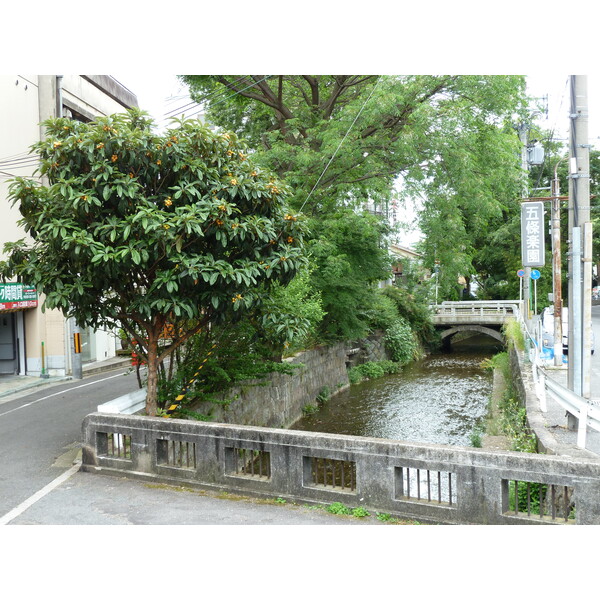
<point x="442" y="484"/>
<point x="475" y="312"/>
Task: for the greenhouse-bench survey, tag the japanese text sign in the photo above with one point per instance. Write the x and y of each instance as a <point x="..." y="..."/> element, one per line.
<point x="532" y="234"/>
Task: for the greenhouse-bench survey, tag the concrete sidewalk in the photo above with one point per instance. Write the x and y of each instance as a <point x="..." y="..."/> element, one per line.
<point x="15" y="384"/>
<point x="87" y="499"/>
<point x="555" y="421"/>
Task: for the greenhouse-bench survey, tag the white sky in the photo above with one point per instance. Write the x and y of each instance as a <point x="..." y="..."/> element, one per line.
<point x="158" y="94"/>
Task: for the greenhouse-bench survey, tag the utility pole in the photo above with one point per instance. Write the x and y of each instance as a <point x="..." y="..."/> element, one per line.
<point x="523" y="130"/>
<point x="580" y="231"/>
<point x="556" y="270"/>
<point x="74" y="344"/>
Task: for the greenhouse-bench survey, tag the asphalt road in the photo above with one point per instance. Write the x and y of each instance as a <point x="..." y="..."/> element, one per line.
<point x="40" y="432"/>
<point x="40" y="436"/>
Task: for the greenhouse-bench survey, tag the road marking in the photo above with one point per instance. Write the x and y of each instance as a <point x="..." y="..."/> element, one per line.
<point x="15" y="512"/>
<point x="59" y="393"/>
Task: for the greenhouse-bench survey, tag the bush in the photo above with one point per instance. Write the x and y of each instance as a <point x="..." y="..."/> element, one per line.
<point x="512" y="331"/>
<point x="413" y="311"/>
<point x="372" y="370"/>
<point x="400" y="342"/>
<point x="382" y="313"/>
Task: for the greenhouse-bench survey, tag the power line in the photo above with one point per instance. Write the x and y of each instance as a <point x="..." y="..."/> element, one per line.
<point x="215" y="93"/>
<point x="228" y="97"/>
<point x="552" y="131"/>
<point x="340" y="145"/>
<point x="26" y="162"/>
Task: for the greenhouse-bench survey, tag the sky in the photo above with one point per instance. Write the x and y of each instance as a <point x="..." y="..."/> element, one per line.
<point x="158" y="94"/>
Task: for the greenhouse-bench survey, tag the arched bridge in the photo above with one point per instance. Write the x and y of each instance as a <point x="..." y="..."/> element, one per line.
<point x="480" y="316"/>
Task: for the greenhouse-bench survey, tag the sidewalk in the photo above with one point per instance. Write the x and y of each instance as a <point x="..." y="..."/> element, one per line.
<point x="555" y="421"/>
<point x="87" y="499"/>
<point x="13" y="384"/>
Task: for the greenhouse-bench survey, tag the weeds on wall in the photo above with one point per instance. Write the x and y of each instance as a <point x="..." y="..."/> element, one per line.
<point x="512" y="332"/>
<point x="513" y="416"/>
<point x="373" y="370"/>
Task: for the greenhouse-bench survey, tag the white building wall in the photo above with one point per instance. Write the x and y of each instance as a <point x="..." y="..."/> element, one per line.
<point x="25" y="101"/>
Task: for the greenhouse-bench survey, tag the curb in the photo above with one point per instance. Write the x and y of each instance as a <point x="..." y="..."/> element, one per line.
<point x="34" y="384"/>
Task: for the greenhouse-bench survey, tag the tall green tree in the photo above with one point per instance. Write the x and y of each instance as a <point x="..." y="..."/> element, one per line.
<point x="343" y="140"/>
<point x="349" y="259"/>
<point x="384" y="126"/>
<point x="138" y="230"/>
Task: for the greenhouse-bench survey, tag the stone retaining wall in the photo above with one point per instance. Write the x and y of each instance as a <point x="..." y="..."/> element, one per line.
<point x="277" y="400"/>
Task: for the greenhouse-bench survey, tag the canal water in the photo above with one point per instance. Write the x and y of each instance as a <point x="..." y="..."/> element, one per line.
<point x="440" y="399"/>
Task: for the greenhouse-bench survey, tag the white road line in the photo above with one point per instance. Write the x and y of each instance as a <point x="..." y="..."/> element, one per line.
<point x="15" y="512"/>
<point x="59" y="393"/>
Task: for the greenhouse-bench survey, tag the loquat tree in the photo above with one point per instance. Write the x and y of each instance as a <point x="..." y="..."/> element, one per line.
<point x="134" y="229"/>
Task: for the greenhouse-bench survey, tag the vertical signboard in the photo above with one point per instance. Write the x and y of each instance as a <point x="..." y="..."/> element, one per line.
<point x="533" y="252"/>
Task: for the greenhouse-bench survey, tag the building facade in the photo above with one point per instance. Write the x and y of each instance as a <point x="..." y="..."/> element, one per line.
<point x="33" y="342"/>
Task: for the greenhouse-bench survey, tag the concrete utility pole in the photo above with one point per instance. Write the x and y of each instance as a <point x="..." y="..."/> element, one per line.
<point x="75" y="343"/>
<point x="523" y="136"/>
<point x="556" y="270"/>
<point x="580" y="231"/>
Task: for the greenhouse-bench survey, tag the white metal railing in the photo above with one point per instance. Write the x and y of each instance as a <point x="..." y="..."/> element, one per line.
<point x="583" y="409"/>
<point x="128" y="404"/>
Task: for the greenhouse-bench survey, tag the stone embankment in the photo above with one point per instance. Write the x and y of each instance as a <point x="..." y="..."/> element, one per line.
<point x="494" y="439"/>
<point x="278" y="400"/>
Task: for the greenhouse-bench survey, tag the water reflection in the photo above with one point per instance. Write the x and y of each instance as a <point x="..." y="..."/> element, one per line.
<point x="439" y="399"/>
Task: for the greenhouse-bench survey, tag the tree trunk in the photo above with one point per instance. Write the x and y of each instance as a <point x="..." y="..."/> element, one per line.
<point x="152" y="391"/>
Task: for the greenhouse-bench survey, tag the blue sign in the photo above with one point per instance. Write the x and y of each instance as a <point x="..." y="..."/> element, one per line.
<point x="535" y="274"/>
<point x="520" y="272"/>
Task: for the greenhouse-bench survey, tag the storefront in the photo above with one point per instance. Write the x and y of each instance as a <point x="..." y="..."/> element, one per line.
<point x="15" y="299"/>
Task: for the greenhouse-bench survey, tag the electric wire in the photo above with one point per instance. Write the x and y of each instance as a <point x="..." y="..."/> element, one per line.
<point x="552" y="132"/>
<point x="340" y="145"/>
<point x="193" y="104"/>
<point x="223" y="99"/>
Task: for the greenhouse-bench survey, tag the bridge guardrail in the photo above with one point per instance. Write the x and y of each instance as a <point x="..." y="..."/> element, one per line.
<point x="476" y="311"/>
<point x="436" y="483"/>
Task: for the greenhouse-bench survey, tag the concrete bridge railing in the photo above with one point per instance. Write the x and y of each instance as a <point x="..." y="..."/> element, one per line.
<point x="480" y="312"/>
<point x="431" y="483"/>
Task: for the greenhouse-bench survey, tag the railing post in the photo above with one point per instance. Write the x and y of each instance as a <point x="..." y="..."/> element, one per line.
<point x="582" y="428"/>
<point x="541" y="389"/>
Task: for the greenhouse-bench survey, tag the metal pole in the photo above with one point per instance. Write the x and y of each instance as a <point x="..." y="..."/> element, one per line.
<point x="586" y="360"/>
<point x="556" y="270"/>
<point x="520" y="289"/>
<point x="575" y="345"/>
<point x="76" y="350"/>
<point x="523" y="136"/>
<point x="579" y="215"/>
<point x="43" y="374"/>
